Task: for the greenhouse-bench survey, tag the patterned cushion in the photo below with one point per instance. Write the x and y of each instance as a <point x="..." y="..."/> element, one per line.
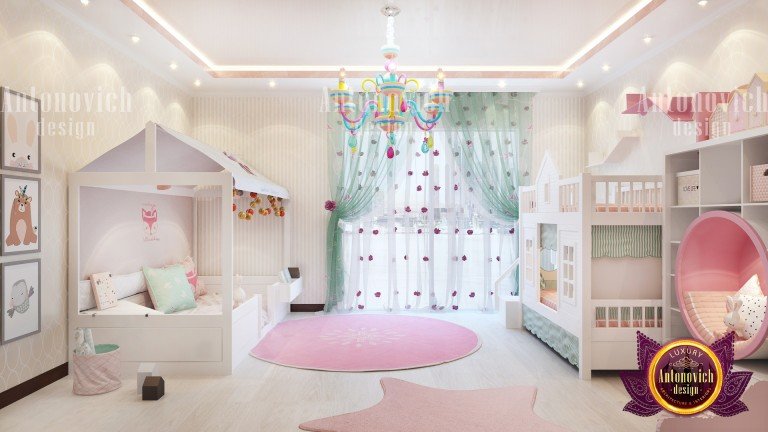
<point x="752" y="311"/>
<point x="103" y="290"/>
<point x="198" y="287"/>
<point x="169" y="289"/>
<point x="751" y="287"/>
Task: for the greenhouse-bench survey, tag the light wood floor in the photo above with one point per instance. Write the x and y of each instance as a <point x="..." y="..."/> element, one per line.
<point x="263" y="397"/>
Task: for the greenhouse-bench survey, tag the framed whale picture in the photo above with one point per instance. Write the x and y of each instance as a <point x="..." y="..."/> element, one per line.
<point x="19" y="132"/>
<point x="20" y="299"/>
<point x="20" y="212"/>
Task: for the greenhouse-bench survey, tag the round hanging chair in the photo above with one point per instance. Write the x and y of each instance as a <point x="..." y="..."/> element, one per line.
<point x="719" y="252"/>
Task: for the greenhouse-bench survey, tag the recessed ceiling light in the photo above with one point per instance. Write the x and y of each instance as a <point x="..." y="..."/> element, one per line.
<point x="173" y="66"/>
<point x="580" y="84"/>
<point x="606" y="67"/>
<point x="135" y="39"/>
<point x="647" y="39"/>
<point x="197" y="83"/>
<point x="703" y="3"/>
<point x="272" y="83"/>
<point x="502" y="84"/>
<point x="85" y="2"/>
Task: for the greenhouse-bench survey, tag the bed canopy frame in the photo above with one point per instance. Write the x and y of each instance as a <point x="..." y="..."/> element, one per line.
<point x="719" y="252"/>
<point x="161" y="161"/>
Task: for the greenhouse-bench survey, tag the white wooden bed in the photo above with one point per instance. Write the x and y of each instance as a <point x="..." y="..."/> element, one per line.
<point x="213" y="338"/>
<point x="601" y="302"/>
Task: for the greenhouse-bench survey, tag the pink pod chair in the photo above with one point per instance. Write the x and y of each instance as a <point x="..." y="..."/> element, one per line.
<point x="719" y="252"/>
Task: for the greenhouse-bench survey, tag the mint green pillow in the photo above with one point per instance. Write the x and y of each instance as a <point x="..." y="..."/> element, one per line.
<point x="169" y="288"/>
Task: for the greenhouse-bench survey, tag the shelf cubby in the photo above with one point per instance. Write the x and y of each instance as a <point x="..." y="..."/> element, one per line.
<point x="720" y="183"/>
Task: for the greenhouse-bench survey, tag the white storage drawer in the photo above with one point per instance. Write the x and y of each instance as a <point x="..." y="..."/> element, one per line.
<point x="187" y="344"/>
<point x="287" y="292"/>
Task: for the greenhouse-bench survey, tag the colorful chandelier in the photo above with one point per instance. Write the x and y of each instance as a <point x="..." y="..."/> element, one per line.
<point x="395" y="98"/>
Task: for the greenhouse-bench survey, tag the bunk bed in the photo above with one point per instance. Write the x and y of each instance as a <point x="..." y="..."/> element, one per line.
<point x="147" y="203"/>
<point x="587" y="291"/>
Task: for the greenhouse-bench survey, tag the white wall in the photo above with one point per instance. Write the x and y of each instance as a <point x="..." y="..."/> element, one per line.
<point x="282" y="137"/>
<point x="718" y="57"/>
<point x="559" y="128"/>
<point x="42" y="49"/>
<point x="112" y="217"/>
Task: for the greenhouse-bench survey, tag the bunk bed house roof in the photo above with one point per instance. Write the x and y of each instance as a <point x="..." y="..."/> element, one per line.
<point x="175" y="152"/>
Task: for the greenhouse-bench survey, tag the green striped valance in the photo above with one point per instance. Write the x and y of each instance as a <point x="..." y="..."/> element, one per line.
<point x="617" y="241"/>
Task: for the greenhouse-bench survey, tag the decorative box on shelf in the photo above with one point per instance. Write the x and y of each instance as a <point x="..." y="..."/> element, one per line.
<point x="758" y="183"/>
<point x="688" y="188"/>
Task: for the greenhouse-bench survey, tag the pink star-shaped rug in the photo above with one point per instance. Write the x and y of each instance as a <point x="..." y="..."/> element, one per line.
<point x="409" y="407"/>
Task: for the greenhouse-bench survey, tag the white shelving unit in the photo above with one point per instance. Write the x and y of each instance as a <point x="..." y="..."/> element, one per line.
<point x="724" y="185"/>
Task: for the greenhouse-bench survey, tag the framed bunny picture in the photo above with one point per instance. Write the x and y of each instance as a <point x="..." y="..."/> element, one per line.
<point x="20" y="141"/>
<point x="20" y="296"/>
<point x="20" y="212"/>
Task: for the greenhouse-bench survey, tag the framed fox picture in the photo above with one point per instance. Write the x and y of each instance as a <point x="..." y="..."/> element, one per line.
<point x="20" y="211"/>
<point x="19" y="132"/>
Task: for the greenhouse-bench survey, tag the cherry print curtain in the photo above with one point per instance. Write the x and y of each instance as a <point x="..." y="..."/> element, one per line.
<point x="432" y="236"/>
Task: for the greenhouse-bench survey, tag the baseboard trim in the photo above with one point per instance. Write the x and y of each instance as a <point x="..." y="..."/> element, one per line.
<point x="307" y="307"/>
<point x="32" y="385"/>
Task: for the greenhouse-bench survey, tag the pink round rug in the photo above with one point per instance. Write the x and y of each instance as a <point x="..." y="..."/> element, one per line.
<point x="366" y="342"/>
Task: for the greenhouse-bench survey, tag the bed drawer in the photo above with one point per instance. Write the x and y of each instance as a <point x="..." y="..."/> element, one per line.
<point x="164" y="344"/>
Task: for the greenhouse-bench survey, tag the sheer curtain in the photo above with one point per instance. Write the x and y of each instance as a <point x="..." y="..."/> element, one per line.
<point x="440" y="228"/>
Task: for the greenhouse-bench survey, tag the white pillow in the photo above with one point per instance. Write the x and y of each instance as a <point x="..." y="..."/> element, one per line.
<point x="752" y="311"/>
<point x="751" y="287"/>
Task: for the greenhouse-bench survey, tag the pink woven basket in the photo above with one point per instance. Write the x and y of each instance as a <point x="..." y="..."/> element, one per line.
<point x="97" y="373"/>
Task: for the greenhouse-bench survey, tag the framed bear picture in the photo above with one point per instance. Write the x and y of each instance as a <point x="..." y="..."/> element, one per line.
<point x="20" y="141"/>
<point x="20" y="211"/>
<point x="20" y="294"/>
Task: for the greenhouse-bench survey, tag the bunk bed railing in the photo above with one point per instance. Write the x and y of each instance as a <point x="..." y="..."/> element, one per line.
<point x="627" y="194"/>
<point x="628" y="314"/>
<point x="569" y="192"/>
<point x="528" y="199"/>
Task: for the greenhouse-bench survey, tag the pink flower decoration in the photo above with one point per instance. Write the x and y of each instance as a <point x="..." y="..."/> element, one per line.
<point x="424" y="209"/>
<point x="472" y="294"/>
<point x="463" y="257"/>
<point x="417" y="293"/>
<point x="361" y="258"/>
<point x="453" y="294"/>
<point x="407" y="209"/>
<point x="360" y="307"/>
<point x="425" y="259"/>
<point x="370" y="257"/>
<point x="498" y="258"/>
<point x="455" y="187"/>
<point x="377" y="294"/>
<point x="456" y="231"/>
<point x="455" y="307"/>
<point x="436" y="188"/>
<point x="360" y="230"/>
<point x="405" y="257"/>
<point x="330" y="205"/>
<point x="407" y="306"/>
<point x="436" y="153"/>
<point x="419" y="231"/>
<point x="375" y="232"/>
<point x="490" y="230"/>
<point x="418" y="188"/>
<point x="359" y="293"/>
<point x="410" y="172"/>
<point x="437" y="230"/>
<point x="490" y="293"/>
<point x="425" y="173"/>
<point x="470" y="232"/>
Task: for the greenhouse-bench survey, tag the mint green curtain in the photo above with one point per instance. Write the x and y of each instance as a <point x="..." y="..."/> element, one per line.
<point x="617" y="241"/>
<point x="355" y="180"/>
<point x="491" y="136"/>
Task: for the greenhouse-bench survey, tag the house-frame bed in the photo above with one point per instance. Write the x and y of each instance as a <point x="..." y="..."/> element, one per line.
<point x="167" y="167"/>
<point x="605" y="234"/>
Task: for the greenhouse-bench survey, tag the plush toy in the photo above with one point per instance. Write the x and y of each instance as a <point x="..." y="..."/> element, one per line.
<point x="733" y="320"/>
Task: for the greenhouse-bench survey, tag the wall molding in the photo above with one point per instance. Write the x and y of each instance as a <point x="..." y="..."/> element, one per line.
<point x="32" y="385"/>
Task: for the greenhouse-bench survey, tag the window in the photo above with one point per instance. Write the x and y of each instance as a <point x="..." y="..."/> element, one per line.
<point x="568" y="271"/>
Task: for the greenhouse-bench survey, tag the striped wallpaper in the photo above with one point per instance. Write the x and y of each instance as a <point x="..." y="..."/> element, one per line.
<point x="559" y="128"/>
<point x="283" y="137"/>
